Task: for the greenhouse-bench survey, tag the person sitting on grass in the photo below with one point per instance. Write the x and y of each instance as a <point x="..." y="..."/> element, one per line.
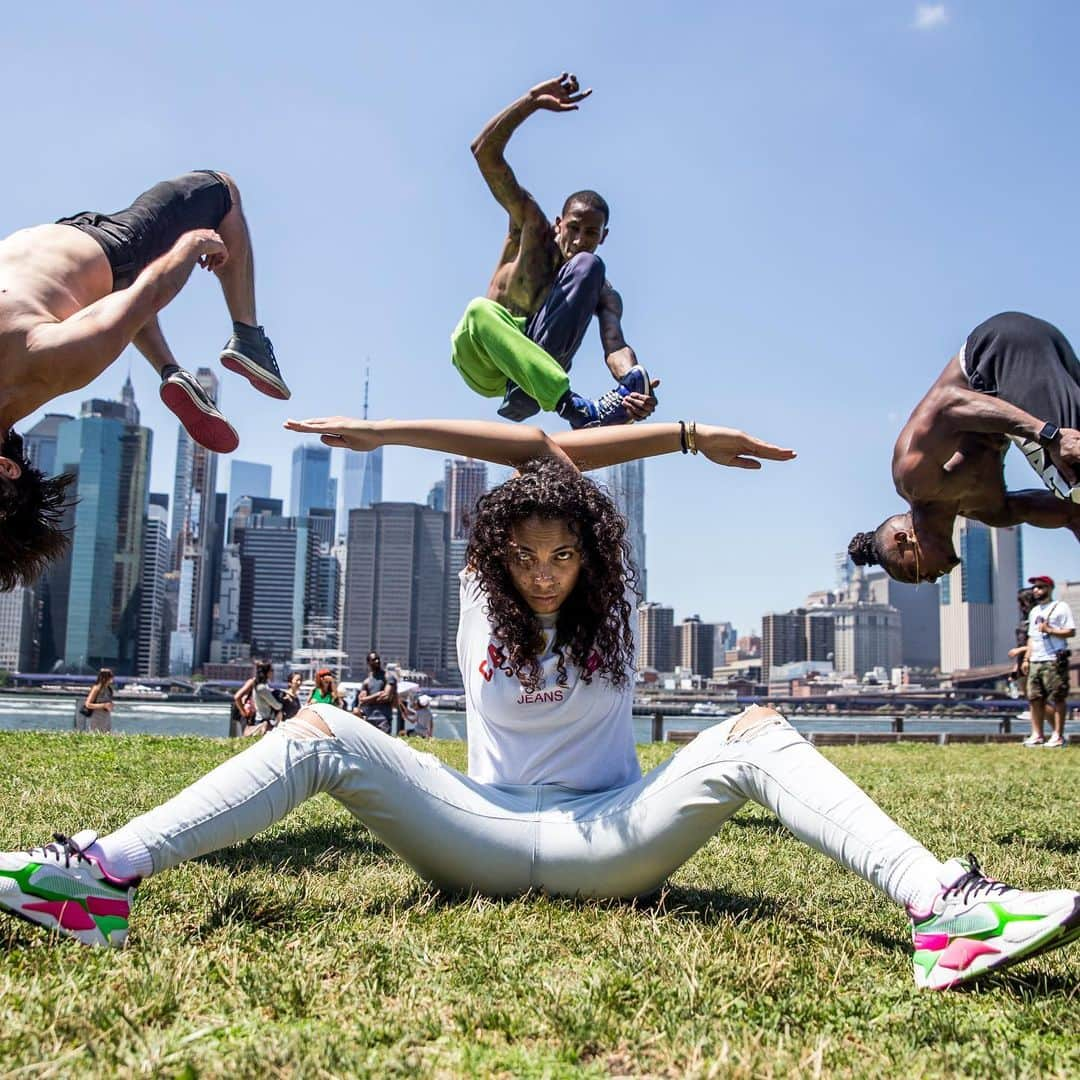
<point x="518" y="341"/>
<point x="554" y="798"/>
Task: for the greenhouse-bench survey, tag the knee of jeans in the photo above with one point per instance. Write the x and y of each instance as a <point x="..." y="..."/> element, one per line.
<point x="307" y="724"/>
<point x="752" y="722"/>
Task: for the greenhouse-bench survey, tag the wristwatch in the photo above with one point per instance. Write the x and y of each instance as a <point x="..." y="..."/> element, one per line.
<point x="1049" y="433"/>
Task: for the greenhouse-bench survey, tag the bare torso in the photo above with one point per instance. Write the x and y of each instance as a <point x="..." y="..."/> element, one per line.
<point x="528" y="264"/>
<point x="47" y="274"/>
<point x="937" y="464"/>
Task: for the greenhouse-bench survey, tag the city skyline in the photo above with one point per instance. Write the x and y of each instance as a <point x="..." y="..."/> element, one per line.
<point x="838" y="254"/>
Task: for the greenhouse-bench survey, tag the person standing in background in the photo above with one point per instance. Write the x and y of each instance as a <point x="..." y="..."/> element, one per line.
<point x="377" y="696"/>
<point x="325" y="692"/>
<point x="96" y="711"/>
<point x="1046" y="662"/>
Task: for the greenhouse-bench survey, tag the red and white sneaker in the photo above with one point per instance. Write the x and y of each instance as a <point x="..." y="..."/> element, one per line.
<point x="60" y="887"/>
<point x="977" y="925"/>
<point x="195" y="409"/>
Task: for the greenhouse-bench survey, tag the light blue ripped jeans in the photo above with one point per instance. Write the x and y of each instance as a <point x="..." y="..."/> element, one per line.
<point x="505" y="839"/>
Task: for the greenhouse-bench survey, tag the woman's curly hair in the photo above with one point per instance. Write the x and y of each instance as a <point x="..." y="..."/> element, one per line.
<point x="31" y="516"/>
<point x="593" y="628"/>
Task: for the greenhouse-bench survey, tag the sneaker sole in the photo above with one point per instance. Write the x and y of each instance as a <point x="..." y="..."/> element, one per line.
<point x="261" y="379"/>
<point x="52" y="923"/>
<point x="1067" y="930"/>
<point x="210" y="430"/>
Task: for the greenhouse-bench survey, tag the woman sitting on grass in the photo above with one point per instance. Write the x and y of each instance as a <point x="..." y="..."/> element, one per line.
<point x="554" y="798"/>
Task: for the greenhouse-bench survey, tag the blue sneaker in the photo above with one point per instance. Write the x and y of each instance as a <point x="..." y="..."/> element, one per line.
<point x="608" y="409"/>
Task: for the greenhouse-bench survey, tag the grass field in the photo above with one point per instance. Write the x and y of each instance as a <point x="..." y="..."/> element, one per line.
<point x="313" y="951"/>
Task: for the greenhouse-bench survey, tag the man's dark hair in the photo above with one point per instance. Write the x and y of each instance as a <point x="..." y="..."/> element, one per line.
<point x="863" y="549"/>
<point x="31" y="512"/>
<point x="591" y="200"/>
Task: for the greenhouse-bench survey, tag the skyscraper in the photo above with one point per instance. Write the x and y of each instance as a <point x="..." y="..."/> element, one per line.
<point x="395" y="589"/>
<point x="39" y="443"/>
<point x="110" y="453"/>
<point x="151" y="657"/>
<point x="464" y="481"/>
<point x="17" y="610"/>
<point x="978" y="596"/>
<point x="248" y="478"/>
<point x="697" y="645"/>
<point x="194" y="538"/>
<point x="310" y="479"/>
<point x="783" y="639"/>
<point x="920" y="625"/>
<point x="361" y="474"/>
<point x="276" y="566"/>
<point x="655" y="623"/>
<point x="626" y="482"/>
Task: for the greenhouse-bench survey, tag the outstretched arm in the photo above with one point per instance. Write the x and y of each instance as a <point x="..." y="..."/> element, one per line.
<point x="591" y="448"/>
<point x="556" y="95"/>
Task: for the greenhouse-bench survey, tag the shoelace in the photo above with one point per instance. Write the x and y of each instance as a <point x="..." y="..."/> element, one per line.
<point x="63" y="848"/>
<point x="609" y="402"/>
<point x="269" y="350"/>
<point x="974" y="883"/>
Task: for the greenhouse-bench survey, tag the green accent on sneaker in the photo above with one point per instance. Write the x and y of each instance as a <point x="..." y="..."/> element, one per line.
<point x="108" y="923"/>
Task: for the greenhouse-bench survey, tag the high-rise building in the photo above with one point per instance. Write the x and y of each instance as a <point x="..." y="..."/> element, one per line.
<point x="395" y="590"/>
<point x="17" y="618"/>
<point x="867" y="636"/>
<point x="277" y="558"/>
<point x="248" y="478"/>
<point x="465" y="480"/>
<point x="195" y="538"/>
<point x="362" y="473"/>
<point x="626" y="483"/>
<point x="310" y="479"/>
<point x="151" y="655"/>
<point x="783" y="639"/>
<point x="978" y="596"/>
<point x="436" y="496"/>
<point x="920" y="618"/>
<point x="109" y="452"/>
<point x="39" y="443"/>
<point x="696" y="645"/>
<point x="455" y="563"/>
<point x="655" y="625"/>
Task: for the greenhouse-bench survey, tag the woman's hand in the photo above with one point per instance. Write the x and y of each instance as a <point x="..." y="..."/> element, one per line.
<point x="339" y="431"/>
<point x="727" y="446"/>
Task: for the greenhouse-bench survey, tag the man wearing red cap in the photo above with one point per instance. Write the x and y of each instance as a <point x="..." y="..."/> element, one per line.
<point x="1046" y="661"/>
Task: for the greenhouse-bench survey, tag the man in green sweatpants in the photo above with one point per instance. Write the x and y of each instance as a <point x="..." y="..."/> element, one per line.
<point x="519" y="341"/>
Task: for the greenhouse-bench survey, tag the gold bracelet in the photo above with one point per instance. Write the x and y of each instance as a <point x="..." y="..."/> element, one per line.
<point x="691" y="436"/>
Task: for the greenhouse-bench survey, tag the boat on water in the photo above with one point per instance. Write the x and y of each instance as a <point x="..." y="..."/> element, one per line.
<point x="141" y="692"/>
<point x="711" y="708"/>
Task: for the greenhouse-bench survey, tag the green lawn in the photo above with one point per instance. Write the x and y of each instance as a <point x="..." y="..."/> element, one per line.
<point x="312" y="951"/>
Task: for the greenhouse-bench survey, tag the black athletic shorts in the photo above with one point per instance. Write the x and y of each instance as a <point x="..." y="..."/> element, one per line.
<point x="135" y="237"/>
<point x="1030" y="364"/>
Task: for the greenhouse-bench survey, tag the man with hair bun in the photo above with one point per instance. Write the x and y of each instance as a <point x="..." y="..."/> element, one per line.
<point x="1016" y="379"/>
<point x="519" y="340"/>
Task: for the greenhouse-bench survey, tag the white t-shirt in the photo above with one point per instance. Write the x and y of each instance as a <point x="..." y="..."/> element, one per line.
<point x="579" y="735"/>
<point x="1047" y="646"/>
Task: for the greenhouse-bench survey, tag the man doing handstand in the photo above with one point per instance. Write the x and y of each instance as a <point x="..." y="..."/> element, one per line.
<point x="518" y="342"/>
<point x="75" y="294"/>
<point x="1017" y="379"/>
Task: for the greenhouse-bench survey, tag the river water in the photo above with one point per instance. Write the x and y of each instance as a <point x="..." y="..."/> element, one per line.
<point x="51" y="713"/>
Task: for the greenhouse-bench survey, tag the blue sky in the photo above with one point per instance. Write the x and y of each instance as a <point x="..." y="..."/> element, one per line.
<point x="811" y="207"/>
